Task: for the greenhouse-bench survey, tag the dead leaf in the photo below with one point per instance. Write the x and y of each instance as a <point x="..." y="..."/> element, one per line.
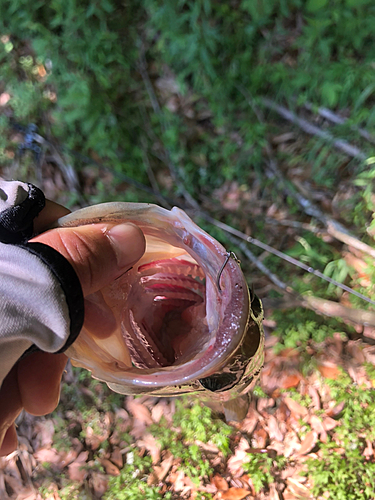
<point x="290" y="381"/>
<point x="295" y="408"/>
<point x="274" y="429"/>
<point x="3" y="491"/>
<point x="354" y="349"/>
<point x="116" y="458"/>
<point x="177" y="479"/>
<point x="44" y="430"/>
<point x="249" y="423"/>
<point x="264" y="403"/>
<point x="289" y="446"/>
<point x="336" y="410"/>
<point x="297" y="490"/>
<point x="273" y="494"/>
<point x="99" y="483"/>
<point x="211" y="448"/>
<point x="162" y="470"/>
<point x="232" y="494"/>
<point x="329" y="423"/>
<point x="76" y="471"/>
<point x="317" y="426"/>
<point x="109" y="467"/>
<point x="236" y="461"/>
<point x="281" y="412"/>
<point x="50" y="456"/>
<point x="308" y="443"/>
<point x="157" y="412"/>
<point x="329" y="370"/>
<point x="4" y="98"/>
<point x="368" y="452"/>
<point x="260" y="436"/>
<point x="229" y="195"/>
<point x="314" y="394"/>
<point x="248" y="482"/>
<point x="284" y="137"/>
<point x="139" y="411"/>
<point x="220" y="483"/>
<point x="152" y="446"/>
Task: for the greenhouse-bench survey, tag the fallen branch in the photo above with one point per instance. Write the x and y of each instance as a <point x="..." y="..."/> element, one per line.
<point x="294" y="224"/>
<point x="323" y="307"/>
<point x="311" y="129"/>
<point x="339" y="120"/>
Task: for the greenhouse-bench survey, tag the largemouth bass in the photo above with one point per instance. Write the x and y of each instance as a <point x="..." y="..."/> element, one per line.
<point x="185" y="319"/>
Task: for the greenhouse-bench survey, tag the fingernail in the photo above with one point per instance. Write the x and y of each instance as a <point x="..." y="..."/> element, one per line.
<point x="128" y="242"/>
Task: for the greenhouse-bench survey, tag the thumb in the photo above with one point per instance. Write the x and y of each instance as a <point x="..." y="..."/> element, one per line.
<point x="99" y="253"/>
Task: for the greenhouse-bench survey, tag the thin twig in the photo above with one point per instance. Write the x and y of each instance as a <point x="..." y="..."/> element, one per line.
<point x="152" y="178"/>
<point x="295" y="224"/>
<point x="339" y="120"/>
<point x="311" y="129"/>
<point x="324" y="307"/>
<point x="68" y="172"/>
<point x="232" y="231"/>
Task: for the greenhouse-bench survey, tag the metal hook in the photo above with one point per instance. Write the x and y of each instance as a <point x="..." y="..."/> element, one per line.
<point x="228" y="255"/>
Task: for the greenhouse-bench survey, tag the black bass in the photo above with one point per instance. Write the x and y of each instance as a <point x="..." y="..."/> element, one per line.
<point x="186" y="322"/>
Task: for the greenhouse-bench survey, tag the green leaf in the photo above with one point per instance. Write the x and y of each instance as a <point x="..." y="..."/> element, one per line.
<point x="315" y="5"/>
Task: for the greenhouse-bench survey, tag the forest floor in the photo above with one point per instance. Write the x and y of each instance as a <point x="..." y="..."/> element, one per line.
<point x="302" y="429"/>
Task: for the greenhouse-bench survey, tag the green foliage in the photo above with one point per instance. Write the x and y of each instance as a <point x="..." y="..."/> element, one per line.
<point x="90" y="63"/>
<point x="218" y="46"/>
<point x="68" y="491"/>
<point x="348" y="477"/>
<point x="197" y="423"/>
<point x="297" y="327"/>
<point x="192" y="423"/>
<point x="73" y="68"/>
<point x="131" y="484"/>
<point x="101" y="396"/>
<point x="262" y="469"/>
<point x="343" y="470"/>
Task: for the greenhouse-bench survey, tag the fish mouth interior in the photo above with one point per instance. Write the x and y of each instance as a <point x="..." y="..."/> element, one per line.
<point x="164" y="322"/>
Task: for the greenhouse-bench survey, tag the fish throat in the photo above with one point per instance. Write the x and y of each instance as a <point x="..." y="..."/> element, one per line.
<point x="164" y="322"/>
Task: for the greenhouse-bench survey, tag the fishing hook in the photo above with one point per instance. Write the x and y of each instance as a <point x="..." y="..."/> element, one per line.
<point x="228" y="255"/>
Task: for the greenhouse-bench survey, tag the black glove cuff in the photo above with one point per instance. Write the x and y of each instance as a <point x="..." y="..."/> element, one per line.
<point x="16" y="223"/>
<point x="70" y="284"/>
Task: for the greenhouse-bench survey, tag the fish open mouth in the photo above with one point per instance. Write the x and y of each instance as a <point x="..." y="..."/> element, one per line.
<point x="164" y="322"/>
<point x="179" y="315"/>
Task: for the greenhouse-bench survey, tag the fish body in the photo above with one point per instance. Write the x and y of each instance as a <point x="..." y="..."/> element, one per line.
<point x="185" y="320"/>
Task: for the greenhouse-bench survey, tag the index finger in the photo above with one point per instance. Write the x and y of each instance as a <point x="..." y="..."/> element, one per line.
<point x="51" y="212"/>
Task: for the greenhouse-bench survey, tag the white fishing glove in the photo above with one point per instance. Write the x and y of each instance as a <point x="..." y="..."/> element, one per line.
<point x="41" y="300"/>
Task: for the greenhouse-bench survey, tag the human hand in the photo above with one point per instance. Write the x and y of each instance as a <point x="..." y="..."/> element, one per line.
<point x="99" y="254"/>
